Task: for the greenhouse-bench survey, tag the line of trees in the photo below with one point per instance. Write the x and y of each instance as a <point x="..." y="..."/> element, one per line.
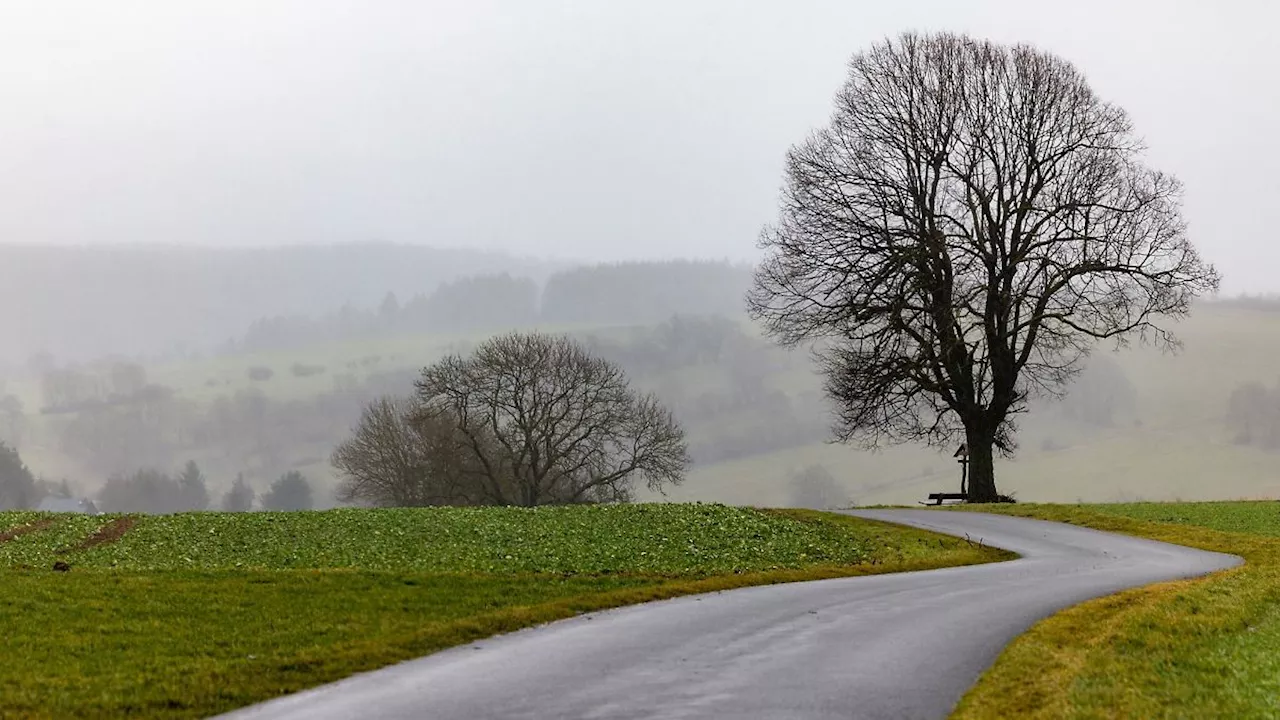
<point x="153" y="491"/>
<point x="480" y="303"/>
<point x="633" y="293"/>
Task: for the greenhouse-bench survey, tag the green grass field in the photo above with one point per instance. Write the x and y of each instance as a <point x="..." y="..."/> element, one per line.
<point x="193" y="614"/>
<point x="1204" y="648"/>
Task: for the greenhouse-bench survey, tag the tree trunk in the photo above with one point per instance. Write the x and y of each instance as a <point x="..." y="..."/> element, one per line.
<point x="982" y="474"/>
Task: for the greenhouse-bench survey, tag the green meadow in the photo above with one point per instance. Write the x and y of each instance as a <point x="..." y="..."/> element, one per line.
<point x="189" y="615"/>
<point x="1202" y="648"/>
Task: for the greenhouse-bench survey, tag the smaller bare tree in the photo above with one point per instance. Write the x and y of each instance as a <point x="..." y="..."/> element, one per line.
<point x="402" y="456"/>
<point x="542" y="421"/>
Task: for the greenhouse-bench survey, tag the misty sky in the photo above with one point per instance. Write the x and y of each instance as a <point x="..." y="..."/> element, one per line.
<point x="593" y="130"/>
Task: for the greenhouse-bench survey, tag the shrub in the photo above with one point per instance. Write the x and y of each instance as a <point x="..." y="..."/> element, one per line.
<point x="304" y="370"/>
<point x="260" y="373"/>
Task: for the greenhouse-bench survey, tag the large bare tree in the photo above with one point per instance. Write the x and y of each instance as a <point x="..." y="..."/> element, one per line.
<point x="968" y="227"/>
<point x="544" y="421"/>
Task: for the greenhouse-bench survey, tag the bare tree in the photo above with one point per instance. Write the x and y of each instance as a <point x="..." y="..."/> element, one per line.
<point x="814" y="487"/>
<point x="402" y="456"/>
<point x="546" y="422"/>
<point x="973" y="221"/>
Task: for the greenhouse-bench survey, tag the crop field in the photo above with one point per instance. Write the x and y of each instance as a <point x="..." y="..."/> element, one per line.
<point x="1203" y="648"/>
<point x="193" y="614"/>
<point x="663" y="539"/>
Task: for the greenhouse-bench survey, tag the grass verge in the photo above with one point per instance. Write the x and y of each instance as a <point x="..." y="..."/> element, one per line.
<point x="104" y="641"/>
<point x="1203" y="648"/>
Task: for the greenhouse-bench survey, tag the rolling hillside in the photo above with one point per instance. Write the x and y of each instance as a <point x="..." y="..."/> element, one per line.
<point x="78" y="303"/>
<point x="754" y="413"/>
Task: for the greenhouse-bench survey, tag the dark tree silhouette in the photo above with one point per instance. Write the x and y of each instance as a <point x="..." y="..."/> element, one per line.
<point x="240" y="497"/>
<point x="147" y="490"/>
<point x="195" y="491"/>
<point x="18" y="488"/>
<point x="973" y="221"/>
<point x="290" y="491"/>
<point x="547" y="422"/>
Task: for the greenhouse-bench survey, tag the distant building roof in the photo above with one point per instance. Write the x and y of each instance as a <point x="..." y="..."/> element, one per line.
<point x="61" y="504"/>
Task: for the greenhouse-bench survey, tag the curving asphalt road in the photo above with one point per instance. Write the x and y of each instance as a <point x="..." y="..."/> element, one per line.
<point x="905" y="645"/>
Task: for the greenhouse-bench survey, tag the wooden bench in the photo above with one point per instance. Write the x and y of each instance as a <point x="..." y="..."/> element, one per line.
<point x="937" y="498"/>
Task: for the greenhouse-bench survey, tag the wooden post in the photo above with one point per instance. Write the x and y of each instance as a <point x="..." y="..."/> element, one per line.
<point x="963" y="454"/>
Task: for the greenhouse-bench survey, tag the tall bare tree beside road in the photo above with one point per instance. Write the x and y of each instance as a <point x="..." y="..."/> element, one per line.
<point x="973" y="221"/>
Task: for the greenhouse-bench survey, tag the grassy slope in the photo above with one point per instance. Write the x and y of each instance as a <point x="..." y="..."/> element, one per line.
<point x="1203" y="648"/>
<point x="163" y="623"/>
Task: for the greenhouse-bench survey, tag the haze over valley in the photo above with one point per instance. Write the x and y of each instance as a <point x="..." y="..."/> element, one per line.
<point x="258" y="363"/>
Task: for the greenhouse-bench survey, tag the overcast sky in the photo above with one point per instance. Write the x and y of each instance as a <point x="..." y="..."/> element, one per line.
<point x="598" y="129"/>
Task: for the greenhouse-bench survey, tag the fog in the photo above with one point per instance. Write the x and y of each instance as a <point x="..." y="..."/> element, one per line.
<point x="340" y="192"/>
<point x="579" y="130"/>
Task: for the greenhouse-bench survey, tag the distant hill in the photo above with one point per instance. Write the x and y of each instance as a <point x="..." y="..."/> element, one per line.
<point x="83" y="302"/>
<point x="609" y="295"/>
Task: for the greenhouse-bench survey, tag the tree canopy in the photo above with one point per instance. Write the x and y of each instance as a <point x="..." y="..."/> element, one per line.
<point x="526" y="419"/>
<point x="400" y="457"/>
<point x="970" y="225"/>
<point x="290" y="491"/>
